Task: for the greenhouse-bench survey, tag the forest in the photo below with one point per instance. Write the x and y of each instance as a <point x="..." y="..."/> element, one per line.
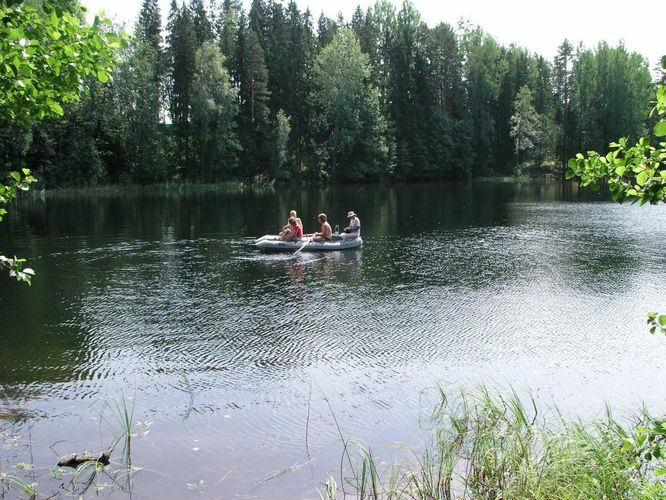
<point x="221" y="94"/>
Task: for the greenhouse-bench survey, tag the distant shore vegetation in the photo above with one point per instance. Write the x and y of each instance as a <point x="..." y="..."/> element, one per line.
<point x="272" y="93"/>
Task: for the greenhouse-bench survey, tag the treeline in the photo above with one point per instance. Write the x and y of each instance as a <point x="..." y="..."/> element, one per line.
<point x="224" y="94"/>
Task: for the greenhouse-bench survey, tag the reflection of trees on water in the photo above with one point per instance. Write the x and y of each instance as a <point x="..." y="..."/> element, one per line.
<point x="144" y="265"/>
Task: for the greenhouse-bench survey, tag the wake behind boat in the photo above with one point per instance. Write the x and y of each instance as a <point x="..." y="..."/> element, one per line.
<point x="273" y="243"/>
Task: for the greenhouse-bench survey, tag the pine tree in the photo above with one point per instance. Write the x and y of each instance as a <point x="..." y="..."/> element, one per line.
<point x="326" y="29"/>
<point x="183" y="49"/>
<point x="563" y="112"/>
<point x="254" y="126"/>
<point x="230" y="18"/>
<point x="203" y="29"/>
<point x="149" y="25"/>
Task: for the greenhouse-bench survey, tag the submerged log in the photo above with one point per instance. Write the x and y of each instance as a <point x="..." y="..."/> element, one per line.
<point x="76" y="460"/>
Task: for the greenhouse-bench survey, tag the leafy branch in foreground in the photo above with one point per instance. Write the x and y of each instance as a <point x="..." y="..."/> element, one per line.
<point x="637" y="171"/>
<point x="657" y="322"/>
<point x="18" y="181"/>
<point x="46" y="54"/>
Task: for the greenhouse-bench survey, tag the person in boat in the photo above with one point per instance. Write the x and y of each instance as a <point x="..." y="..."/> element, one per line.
<point x="326" y="233"/>
<point x="293" y="231"/>
<point x="353" y="230"/>
<point x="286" y="230"/>
<point x="298" y="221"/>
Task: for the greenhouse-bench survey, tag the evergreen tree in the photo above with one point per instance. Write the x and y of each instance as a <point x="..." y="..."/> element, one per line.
<point x="543" y="87"/>
<point x="326" y="29"/>
<point x="139" y="105"/>
<point x="203" y="28"/>
<point x="260" y="22"/>
<point x="446" y="70"/>
<point x="149" y="25"/>
<point x="405" y="103"/>
<point x="582" y="130"/>
<point x="381" y="26"/>
<point x="299" y="63"/>
<point x="230" y="18"/>
<point x="447" y="101"/>
<point x="254" y="124"/>
<point x="519" y="70"/>
<point x="482" y="74"/>
<point x="277" y="60"/>
<point x="563" y="67"/>
<point x="183" y="49"/>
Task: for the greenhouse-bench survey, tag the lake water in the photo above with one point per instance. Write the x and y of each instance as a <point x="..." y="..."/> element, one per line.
<point x="242" y="369"/>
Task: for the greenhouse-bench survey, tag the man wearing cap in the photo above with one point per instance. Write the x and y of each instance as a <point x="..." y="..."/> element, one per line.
<point x="354" y="228"/>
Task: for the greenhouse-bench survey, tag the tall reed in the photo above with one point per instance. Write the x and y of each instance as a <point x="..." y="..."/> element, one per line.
<point x="487" y="446"/>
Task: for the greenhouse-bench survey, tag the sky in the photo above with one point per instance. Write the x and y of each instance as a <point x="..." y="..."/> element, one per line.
<point x="539" y="26"/>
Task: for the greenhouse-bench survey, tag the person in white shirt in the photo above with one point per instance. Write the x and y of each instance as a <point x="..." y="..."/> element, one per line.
<point x="354" y="228"/>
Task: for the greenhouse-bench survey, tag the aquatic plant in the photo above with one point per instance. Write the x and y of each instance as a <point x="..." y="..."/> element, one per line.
<point x="489" y="446"/>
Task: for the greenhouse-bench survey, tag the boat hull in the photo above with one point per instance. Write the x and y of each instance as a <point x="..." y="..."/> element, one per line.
<point x="275" y="244"/>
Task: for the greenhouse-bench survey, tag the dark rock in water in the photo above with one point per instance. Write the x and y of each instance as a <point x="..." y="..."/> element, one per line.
<point x="76" y="460"/>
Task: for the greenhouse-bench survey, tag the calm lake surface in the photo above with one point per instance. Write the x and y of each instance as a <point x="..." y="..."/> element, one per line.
<point x="239" y="363"/>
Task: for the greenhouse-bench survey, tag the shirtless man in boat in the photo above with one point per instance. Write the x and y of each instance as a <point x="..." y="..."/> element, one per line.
<point x="326" y="232"/>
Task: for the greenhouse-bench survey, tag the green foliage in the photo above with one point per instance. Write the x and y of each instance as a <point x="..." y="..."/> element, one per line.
<point x="524" y="123"/>
<point x="349" y="120"/>
<point x="657" y="323"/>
<point x="490" y="446"/>
<point x="636" y="172"/>
<point x="282" y="131"/>
<point x="632" y="171"/>
<point x="18" y="181"/>
<point x="46" y="55"/>
<point x="214" y="109"/>
<point x="445" y="97"/>
<point x="254" y="123"/>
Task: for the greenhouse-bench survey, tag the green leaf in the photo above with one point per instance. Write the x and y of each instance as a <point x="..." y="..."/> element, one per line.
<point x="16" y="176"/>
<point x="660" y="129"/>
<point x="661" y="319"/>
<point x="660" y="472"/>
<point x="641" y="178"/>
<point x="56" y="108"/>
<point x="620" y="170"/>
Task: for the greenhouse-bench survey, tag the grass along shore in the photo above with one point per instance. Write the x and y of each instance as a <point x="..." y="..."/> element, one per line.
<point x="485" y="446"/>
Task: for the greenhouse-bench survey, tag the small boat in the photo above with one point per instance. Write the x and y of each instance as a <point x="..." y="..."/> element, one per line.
<point x="272" y="243"/>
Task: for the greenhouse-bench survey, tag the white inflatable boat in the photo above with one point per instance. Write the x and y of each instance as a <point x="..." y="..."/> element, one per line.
<point x="273" y="243"/>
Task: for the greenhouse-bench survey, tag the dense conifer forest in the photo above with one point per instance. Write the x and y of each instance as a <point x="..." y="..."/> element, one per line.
<point x="221" y="94"/>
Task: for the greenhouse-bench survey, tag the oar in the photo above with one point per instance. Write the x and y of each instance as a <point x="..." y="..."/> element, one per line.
<point x="308" y="240"/>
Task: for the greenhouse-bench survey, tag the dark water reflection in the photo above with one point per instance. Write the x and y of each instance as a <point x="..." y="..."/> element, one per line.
<point x="240" y="359"/>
